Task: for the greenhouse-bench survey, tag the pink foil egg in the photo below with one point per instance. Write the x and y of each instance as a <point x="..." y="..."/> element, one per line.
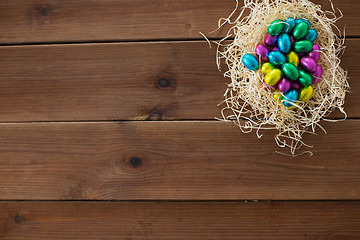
<point x="284" y="85"/>
<point x="292" y="40"/>
<point x="315" y="54"/>
<point x="295" y="85"/>
<point x="270" y="40"/>
<point x="317" y="74"/>
<point x="308" y="63"/>
<point x="262" y="51"/>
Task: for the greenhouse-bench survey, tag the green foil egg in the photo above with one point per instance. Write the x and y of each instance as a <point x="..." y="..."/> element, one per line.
<point x="305" y="78"/>
<point x="290" y="71"/>
<point x="273" y="77"/>
<point x="300" y="30"/>
<point x="303" y="46"/>
<point x="276" y="27"/>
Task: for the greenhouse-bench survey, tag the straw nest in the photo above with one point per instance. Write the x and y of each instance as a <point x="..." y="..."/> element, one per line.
<point x="249" y="103"/>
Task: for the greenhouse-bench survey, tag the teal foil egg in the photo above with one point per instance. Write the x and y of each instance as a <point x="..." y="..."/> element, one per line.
<point x="277" y="58"/>
<point x="297" y="21"/>
<point x="284" y="43"/>
<point x="290" y="96"/>
<point x="250" y="62"/>
<point x="312" y="35"/>
<point x="289" y="25"/>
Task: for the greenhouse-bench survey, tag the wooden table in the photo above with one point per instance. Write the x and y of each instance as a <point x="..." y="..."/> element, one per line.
<point x="107" y="131"/>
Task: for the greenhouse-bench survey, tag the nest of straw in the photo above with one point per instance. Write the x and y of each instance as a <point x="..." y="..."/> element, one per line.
<point x="249" y="103"/>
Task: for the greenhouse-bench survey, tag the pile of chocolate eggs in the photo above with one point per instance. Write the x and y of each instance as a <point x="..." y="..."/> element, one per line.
<point x="288" y="59"/>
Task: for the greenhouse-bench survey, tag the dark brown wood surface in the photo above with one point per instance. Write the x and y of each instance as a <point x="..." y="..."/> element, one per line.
<point x="202" y="160"/>
<point x="120" y="81"/>
<point x="180" y="220"/>
<point x="78" y="81"/>
<point x="24" y="21"/>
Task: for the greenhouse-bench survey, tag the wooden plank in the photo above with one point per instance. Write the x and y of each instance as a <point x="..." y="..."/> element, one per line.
<point x="121" y="82"/>
<point x="172" y="160"/>
<point x="24" y="21"/>
<point x="180" y="220"/>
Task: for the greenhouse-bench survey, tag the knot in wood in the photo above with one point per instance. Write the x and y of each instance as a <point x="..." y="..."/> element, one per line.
<point x="135" y="162"/>
<point x="45" y="11"/>
<point x="18" y="218"/>
<point x="163" y="83"/>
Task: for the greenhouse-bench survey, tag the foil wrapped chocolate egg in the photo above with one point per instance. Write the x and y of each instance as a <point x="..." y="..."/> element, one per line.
<point x="276" y="27"/>
<point x="306" y="93"/>
<point x="290" y="71"/>
<point x="262" y="51"/>
<point x="315" y="53"/>
<point x="290" y="97"/>
<point x="273" y="77"/>
<point x="303" y="46"/>
<point x="284" y="85"/>
<point x="308" y="63"/>
<point x="305" y="78"/>
<point x="276" y="58"/>
<point x="284" y="43"/>
<point x="250" y="62"/>
<point x="300" y="30"/>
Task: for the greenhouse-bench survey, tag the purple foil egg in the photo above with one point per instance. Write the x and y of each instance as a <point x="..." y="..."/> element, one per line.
<point x="292" y="39"/>
<point x="284" y="85"/>
<point x="274" y="49"/>
<point x="308" y="63"/>
<point x="295" y="85"/>
<point x="317" y="74"/>
<point x="315" y="54"/>
<point x="270" y="40"/>
<point x="262" y="51"/>
<point x="300" y="55"/>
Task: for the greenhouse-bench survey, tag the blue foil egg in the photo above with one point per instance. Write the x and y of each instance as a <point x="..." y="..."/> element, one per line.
<point x="297" y="21"/>
<point x="312" y="35"/>
<point x="291" y="96"/>
<point x="284" y="43"/>
<point x="277" y="58"/>
<point x="289" y="25"/>
<point x="250" y="61"/>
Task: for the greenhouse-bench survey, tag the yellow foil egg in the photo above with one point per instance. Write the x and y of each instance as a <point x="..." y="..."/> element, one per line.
<point x="306" y="93"/>
<point x="267" y="67"/>
<point x="293" y="58"/>
<point x="277" y="95"/>
<point x="273" y="77"/>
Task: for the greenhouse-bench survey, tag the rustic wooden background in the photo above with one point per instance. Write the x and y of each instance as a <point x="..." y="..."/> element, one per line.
<point x="107" y="131"/>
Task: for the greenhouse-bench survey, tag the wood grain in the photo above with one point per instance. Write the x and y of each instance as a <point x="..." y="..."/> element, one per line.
<point x="199" y="160"/>
<point x="180" y="220"/>
<point x="29" y="21"/>
<point x="126" y="81"/>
